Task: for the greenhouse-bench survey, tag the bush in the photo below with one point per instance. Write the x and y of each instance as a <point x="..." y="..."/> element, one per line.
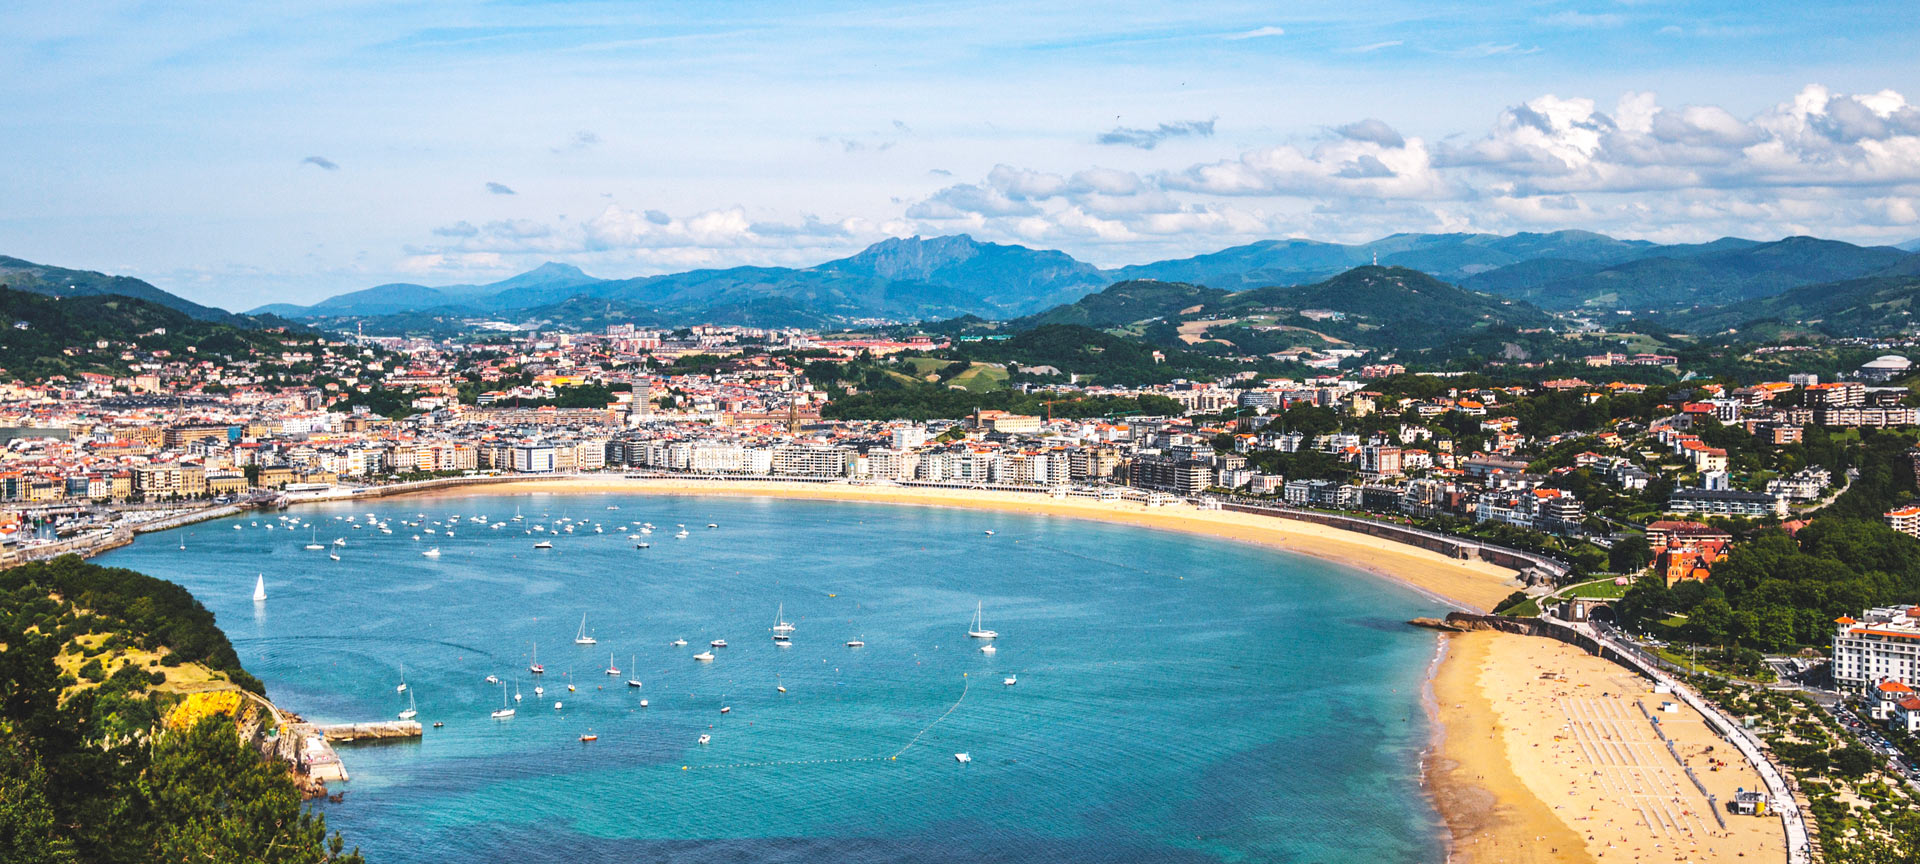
<point x="157" y="678"/>
<point x="1514" y="599"/>
<point x="93" y="671"/>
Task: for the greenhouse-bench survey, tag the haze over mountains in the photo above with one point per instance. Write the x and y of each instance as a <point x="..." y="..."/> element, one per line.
<point x="948" y="277"/>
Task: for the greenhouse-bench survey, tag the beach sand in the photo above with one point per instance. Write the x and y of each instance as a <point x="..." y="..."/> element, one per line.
<point x="1471" y="585"/>
<point x="1545" y="756"/>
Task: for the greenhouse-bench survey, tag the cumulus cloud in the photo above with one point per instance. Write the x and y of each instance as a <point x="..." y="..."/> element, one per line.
<point x="499" y="188"/>
<point x="321" y="162"/>
<point x="1819" y="162"/>
<point x="1147" y="139"/>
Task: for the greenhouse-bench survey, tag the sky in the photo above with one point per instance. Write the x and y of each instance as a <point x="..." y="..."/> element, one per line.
<point x="240" y="153"/>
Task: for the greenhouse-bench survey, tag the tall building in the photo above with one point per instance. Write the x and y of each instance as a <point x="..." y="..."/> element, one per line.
<point x="1883" y="645"/>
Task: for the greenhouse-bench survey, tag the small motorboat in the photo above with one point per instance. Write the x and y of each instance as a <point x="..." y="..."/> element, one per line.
<point x="988" y="533"/>
<point x="704" y="738"/>
<point x="988" y="649"/>
<point x="643" y="703"/>
<point x="544" y="544"/>
<point x="678" y="643"/>
<point x="963" y="758"/>
<point x="718" y="643"/>
<point x="704" y="655"/>
<point x="782" y="688"/>
<point x="855" y="643"/>
<point x="556" y="704"/>
<point x="726" y="709"/>
<point x="589" y="737"/>
<point x="713" y="524"/>
<point x="1011" y="680"/>
<point x="539" y="691"/>
<point x="493" y="679"/>
<point x="643" y="545"/>
<point x="437" y="724"/>
<point x="431" y="553"/>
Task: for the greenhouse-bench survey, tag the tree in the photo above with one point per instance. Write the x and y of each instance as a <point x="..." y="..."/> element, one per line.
<point x="1630" y="554"/>
<point x="214" y="799"/>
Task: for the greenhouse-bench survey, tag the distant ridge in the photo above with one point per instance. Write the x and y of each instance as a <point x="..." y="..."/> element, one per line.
<point x="62" y="282"/>
<point x="955" y="276"/>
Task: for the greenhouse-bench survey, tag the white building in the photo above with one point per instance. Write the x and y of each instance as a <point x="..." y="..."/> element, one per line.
<point x="1883" y="645"/>
<point x="533" y="458"/>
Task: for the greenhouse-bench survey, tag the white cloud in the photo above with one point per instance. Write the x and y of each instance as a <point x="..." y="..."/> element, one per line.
<point x="1257" y="33"/>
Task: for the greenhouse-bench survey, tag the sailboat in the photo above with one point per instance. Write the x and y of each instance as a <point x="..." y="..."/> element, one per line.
<point x="633" y="682"/>
<point x="313" y="541"/>
<point x="260" y="588"/>
<point x="412" y="711"/>
<point x="583" y="638"/>
<point x="516" y="690"/>
<point x="781" y="628"/>
<point x="403" y="681"/>
<point x="536" y="668"/>
<point x="978" y="628"/>
<point x="183" y="540"/>
<point x="506" y="710"/>
<point x="612" y="669"/>
<point x="569" y="680"/>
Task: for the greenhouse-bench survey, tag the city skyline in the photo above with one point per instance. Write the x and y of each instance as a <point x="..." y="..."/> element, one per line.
<point x="255" y="157"/>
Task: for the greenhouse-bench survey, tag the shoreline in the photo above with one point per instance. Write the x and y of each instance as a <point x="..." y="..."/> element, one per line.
<point x="1473" y="586"/>
<point x="1469" y="585"/>
<point x="1546" y="753"/>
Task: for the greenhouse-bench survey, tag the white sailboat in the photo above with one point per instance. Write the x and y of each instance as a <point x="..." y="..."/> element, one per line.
<point x="583" y="638"/>
<point x="506" y="709"/>
<point x="633" y="681"/>
<point x="260" y="588"/>
<point x="313" y="541"/>
<point x="403" y="681"/>
<point x="412" y="710"/>
<point x="612" y="669"/>
<point x="978" y="629"/>
<point x="780" y="624"/>
<point x="516" y="690"/>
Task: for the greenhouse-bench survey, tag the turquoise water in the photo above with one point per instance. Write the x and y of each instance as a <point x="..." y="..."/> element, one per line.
<point x="1178" y="699"/>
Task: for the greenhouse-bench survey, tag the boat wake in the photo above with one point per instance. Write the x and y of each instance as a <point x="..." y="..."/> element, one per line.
<point x="967" y="685"/>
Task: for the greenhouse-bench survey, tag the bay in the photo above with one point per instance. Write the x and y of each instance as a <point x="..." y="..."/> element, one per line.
<point x="1178" y="698"/>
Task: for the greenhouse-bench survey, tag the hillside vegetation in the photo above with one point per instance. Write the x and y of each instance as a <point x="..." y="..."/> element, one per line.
<point x="98" y="767"/>
<point x="52" y="336"/>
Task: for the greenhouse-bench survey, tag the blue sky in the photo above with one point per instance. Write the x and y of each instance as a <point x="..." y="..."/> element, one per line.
<point x="238" y="154"/>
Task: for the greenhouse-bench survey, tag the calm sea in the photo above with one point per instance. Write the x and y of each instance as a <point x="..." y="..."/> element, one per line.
<point x="1177" y="699"/>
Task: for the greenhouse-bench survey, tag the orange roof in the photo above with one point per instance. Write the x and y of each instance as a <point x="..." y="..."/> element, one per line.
<point x="1844" y="620"/>
<point x="1869" y="631"/>
<point x="1894" y="687"/>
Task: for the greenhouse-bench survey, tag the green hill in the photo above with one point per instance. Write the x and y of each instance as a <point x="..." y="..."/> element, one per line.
<point x="61" y="282"/>
<point x="52" y="336"/>
<point x="96" y="765"/>
<point x="1380" y="307"/>
<point x="1854" y="307"/>
<point x="1124" y="303"/>
<point x="1709" y="275"/>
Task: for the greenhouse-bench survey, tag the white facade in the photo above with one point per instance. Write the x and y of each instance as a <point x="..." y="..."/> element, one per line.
<point x="533" y="458"/>
<point x="1884" y="645"/>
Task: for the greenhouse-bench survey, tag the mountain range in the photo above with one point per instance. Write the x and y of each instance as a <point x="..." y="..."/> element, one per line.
<point x="950" y="277"/>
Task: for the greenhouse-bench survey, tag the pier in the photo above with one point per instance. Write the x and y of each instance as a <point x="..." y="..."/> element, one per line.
<point x="381" y="731"/>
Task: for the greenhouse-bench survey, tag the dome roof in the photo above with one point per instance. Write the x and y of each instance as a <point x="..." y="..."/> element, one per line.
<point x="1887" y="361"/>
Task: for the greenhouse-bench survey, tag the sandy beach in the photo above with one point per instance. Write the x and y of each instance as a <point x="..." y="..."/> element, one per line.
<point x="1545" y="756"/>
<point x="1471" y="585"/>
